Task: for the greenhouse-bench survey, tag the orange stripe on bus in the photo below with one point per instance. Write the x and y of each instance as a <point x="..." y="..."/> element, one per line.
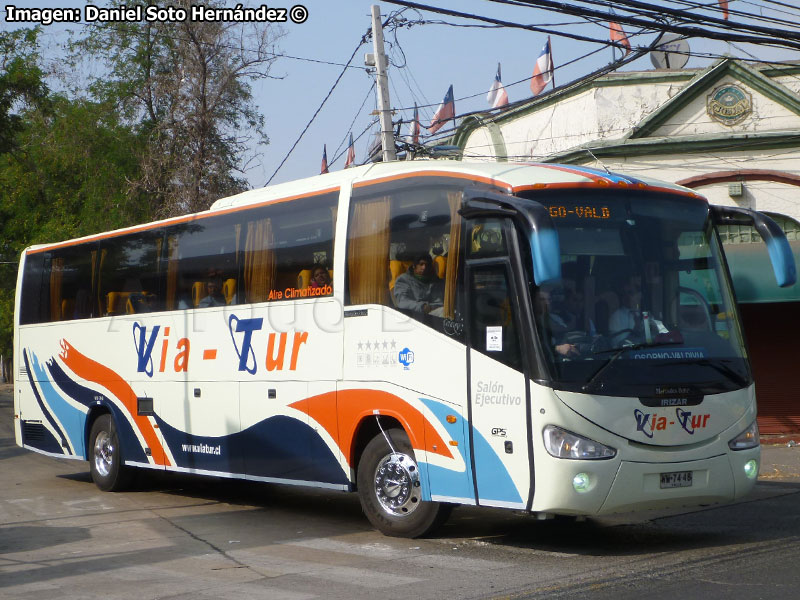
<point x="90" y="370"/>
<point x="340" y="413"/>
<point x="604" y="183"/>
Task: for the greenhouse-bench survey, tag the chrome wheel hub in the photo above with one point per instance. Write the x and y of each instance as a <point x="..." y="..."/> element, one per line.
<point x="397" y="485"/>
<point x="103" y="453"/>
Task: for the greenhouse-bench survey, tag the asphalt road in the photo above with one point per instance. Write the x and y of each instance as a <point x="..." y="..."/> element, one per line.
<point x="197" y="538"/>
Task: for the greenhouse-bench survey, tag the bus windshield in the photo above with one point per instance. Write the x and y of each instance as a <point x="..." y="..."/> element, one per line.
<point x="644" y="303"/>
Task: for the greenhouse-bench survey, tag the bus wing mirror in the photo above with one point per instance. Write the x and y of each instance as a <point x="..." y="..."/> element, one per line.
<point x="780" y="253"/>
<point x="533" y="218"/>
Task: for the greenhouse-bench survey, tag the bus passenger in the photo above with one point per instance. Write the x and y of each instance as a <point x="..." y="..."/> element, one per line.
<point x="319" y="277"/>
<point x="214" y="295"/>
<point x="419" y="289"/>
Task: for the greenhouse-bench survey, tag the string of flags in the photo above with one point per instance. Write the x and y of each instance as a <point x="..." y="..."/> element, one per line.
<point x="617" y="34"/>
<point x="497" y="97"/>
<point x="445" y="112"/>
<point x="351" y="153"/>
<point x="723" y="4"/>
<point x="543" y="70"/>
<point x="324" y="168"/>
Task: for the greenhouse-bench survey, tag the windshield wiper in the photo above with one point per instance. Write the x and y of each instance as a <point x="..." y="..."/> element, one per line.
<point x="719" y="366"/>
<point x="588" y="386"/>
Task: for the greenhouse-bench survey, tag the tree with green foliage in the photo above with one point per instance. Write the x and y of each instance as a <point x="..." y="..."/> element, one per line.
<point x="21" y="86"/>
<point x="186" y="87"/>
<point x="21" y="80"/>
<point x="64" y="172"/>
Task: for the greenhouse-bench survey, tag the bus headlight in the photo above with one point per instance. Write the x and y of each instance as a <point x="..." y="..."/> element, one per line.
<point x="747" y="439"/>
<point x="565" y="444"/>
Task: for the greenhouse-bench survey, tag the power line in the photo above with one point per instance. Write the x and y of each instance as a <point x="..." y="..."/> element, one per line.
<point x="350" y="128"/>
<point x="775" y="37"/>
<point x="511" y="24"/>
<point x="361" y="42"/>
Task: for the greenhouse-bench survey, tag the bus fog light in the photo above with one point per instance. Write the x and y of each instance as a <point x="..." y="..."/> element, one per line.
<point x="747" y="439"/>
<point x="565" y="444"/>
<point x="751" y="469"/>
<point x="581" y="482"/>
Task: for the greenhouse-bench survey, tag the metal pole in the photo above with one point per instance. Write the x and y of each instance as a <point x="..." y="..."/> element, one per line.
<point x="385" y="113"/>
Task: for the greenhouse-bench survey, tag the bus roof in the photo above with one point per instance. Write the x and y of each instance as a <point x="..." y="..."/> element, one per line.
<point x="509" y="176"/>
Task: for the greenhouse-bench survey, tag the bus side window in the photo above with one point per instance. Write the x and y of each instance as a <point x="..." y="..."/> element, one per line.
<point x="202" y="262"/>
<point x="34" y="305"/>
<point x="394" y="226"/>
<point x="69" y="282"/>
<point x="130" y="280"/>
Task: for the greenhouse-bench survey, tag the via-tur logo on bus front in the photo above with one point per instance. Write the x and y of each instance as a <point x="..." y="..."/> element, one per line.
<point x="406" y="357"/>
<point x="648" y="423"/>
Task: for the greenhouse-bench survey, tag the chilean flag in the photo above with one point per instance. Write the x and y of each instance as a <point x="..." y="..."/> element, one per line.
<point x="723" y="4"/>
<point x="617" y="34"/>
<point x="415" y="126"/>
<point x="497" y="95"/>
<point x="543" y="71"/>
<point x="445" y="112"/>
<point x="324" y="167"/>
<point x="351" y="153"/>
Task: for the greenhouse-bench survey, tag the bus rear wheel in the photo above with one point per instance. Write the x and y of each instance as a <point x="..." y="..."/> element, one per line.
<point x="105" y="457"/>
<point x="390" y="489"/>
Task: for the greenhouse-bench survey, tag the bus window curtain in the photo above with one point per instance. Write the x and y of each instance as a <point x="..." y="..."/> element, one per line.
<point x="368" y="252"/>
<point x="102" y="308"/>
<point x="96" y="311"/>
<point x="56" y="293"/>
<point x="453" y="255"/>
<point x="172" y="272"/>
<point x="237" y="232"/>
<point x="259" y="260"/>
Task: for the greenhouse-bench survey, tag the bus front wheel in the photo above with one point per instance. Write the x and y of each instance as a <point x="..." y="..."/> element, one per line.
<point x="390" y="489"/>
<point x="105" y="456"/>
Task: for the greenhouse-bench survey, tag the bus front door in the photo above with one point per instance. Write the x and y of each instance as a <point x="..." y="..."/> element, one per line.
<point x="499" y="416"/>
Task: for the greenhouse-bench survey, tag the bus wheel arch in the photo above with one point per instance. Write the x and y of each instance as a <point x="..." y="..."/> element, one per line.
<point x="390" y="487"/>
<point x="366" y="430"/>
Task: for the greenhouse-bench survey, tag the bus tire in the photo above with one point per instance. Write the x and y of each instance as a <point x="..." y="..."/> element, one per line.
<point x="390" y="489"/>
<point x="105" y="457"/>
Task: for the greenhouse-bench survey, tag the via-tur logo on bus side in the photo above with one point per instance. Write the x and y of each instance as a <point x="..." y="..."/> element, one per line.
<point x="242" y="332"/>
<point x="406" y="357"/>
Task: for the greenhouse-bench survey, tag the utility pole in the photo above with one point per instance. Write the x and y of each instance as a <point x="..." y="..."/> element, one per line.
<point x="382" y="84"/>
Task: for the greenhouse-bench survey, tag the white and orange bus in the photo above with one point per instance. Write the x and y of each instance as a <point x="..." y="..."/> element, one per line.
<point x="201" y="344"/>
